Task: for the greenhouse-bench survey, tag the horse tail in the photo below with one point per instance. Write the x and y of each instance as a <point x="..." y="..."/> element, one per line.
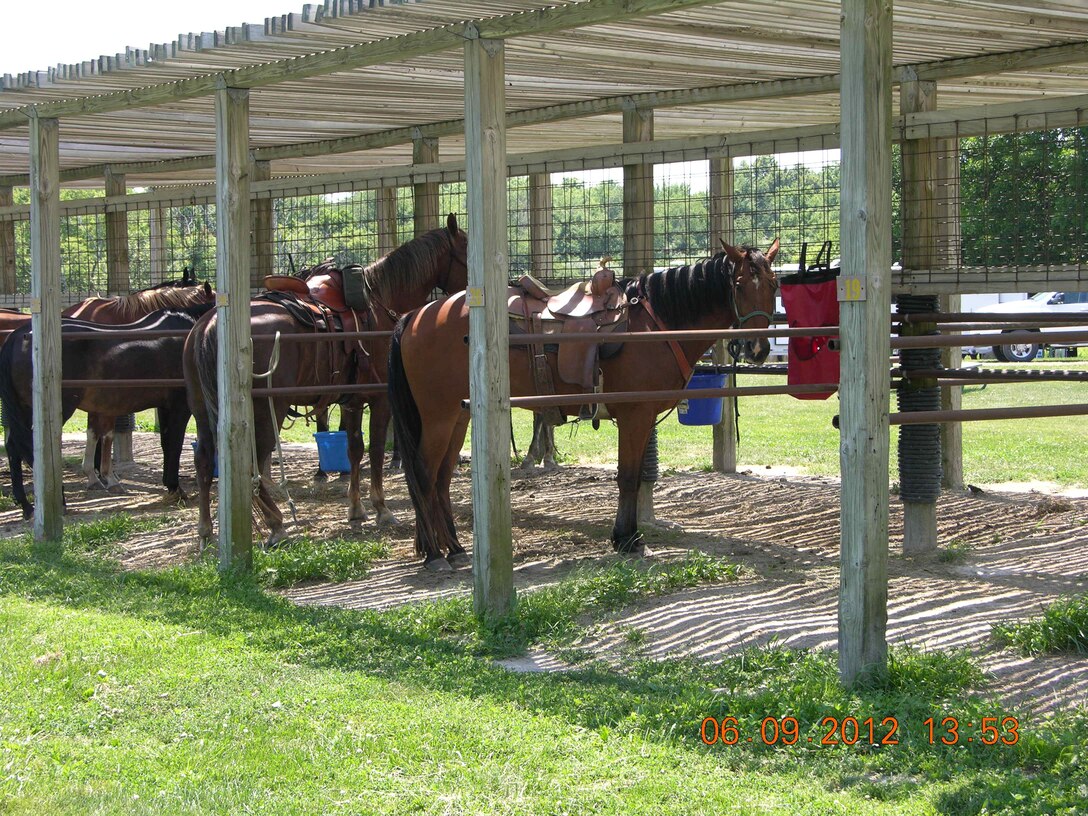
<point x="409" y="432"/>
<point x="206" y="353"/>
<point x="18" y="421"/>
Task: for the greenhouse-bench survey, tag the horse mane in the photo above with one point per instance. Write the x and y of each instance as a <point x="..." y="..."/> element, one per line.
<point x="682" y="294"/>
<point x="409" y="266"/>
<point x="129" y="308"/>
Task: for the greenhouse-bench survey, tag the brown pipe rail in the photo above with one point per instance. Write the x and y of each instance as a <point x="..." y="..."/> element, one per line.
<point x="981" y="375"/>
<point x="662" y="336"/>
<point x="1034" y="318"/>
<point x="982" y="414"/>
<point x="549" y="400"/>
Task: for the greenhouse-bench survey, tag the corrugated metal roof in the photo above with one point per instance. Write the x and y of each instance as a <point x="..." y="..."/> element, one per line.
<point x="739" y="41"/>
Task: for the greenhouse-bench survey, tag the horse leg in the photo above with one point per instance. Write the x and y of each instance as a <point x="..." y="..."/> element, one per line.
<point x="89" y="451"/>
<point x="439" y="444"/>
<point x="351" y="422"/>
<point x="265" y="428"/>
<point x="18" y="489"/>
<point x="172" y="422"/>
<point x="204" y="461"/>
<point x="113" y="484"/>
<point x="634" y="432"/>
<point x="457" y="556"/>
<point x="322" y="420"/>
<point x="394" y="457"/>
<point x="379" y="425"/>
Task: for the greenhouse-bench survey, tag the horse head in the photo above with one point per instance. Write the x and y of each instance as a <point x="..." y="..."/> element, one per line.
<point x="456" y="278"/>
<point x="754" y="286"/>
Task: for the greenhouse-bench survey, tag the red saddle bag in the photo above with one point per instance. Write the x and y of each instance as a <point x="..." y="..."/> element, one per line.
<point x="811" y="300"/>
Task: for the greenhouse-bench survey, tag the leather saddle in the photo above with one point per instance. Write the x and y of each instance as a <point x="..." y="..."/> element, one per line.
<point x="325" y="285"/>
<point x="596" y="305"/>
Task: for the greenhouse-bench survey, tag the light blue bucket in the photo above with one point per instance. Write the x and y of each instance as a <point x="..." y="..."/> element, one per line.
<point x="332" y="451"/>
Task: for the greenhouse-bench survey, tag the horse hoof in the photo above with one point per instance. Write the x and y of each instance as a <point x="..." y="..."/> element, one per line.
<point x="387" y="519"/>
<point x="458" y="560"/>
<point x="116" y="489"/>
<point x="321" y="476"/>
<point x="94" y="487"/>
<point x="277" y="539"/>
<point x="438" y="564"/>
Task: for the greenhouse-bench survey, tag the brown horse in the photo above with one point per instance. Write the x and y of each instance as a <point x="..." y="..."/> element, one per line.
<point x="428" y="379"/>
<point x="397" y="283"/>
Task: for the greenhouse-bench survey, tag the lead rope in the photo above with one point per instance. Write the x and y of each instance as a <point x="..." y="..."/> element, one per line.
<point x="273" y="364"/>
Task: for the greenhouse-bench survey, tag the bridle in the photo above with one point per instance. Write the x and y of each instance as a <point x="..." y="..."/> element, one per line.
<point x="734" y="274"/>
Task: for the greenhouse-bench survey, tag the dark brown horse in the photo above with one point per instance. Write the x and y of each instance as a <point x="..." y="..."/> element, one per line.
<point x="398" y="283"/>
<point x="428" y="379"/>
<point x="180" y="294"/>
<point x="84" y="357"/>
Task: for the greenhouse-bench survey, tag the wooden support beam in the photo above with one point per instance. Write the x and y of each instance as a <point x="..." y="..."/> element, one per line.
<point x="638" y="197"/>
<point x="863" y="393"/>
<point x="721" y="229"/>
<point x="949" y="242"/>
<point x="541" y="233"/>
<point x="489" y="378"/>
<point x="117" y="256"/>
<point x="264" y="229"/>
<point x="387" y="219"/>
<point x="425" y="195"/>
<point x="45" y="307"/>
<point x="919" y="209"/>
<point x="8" y="279"/>
<point x="159" y="230"/>
<point x="235" y="347"/>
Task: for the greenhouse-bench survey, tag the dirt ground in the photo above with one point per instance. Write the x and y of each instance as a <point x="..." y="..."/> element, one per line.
<point x="1019" y="551"/>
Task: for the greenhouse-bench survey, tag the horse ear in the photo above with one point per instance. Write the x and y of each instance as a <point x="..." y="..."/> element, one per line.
<point x="773" y="251"/>
<point x="207" y="289"/>
<point x="451" y="224"/>
<point x="735" y="255"/>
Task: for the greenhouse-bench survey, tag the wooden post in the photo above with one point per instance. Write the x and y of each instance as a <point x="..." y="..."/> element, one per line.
<point x="489" y="378"/>
<point x="541" y="234"/>
<point x="638" y="197"/>
<point x="235" y="348"/>
<point x="721" y="227"/>
<point x="117" y="257"/>
<point x="387" y="220"/>
<point x="948" y="248"/>
<point x="264" y="229"/>
<point x="159" y="229"/>
<point x="45" y="308"/>
<point x="9" y="283"/>
<point x="865" y="123"/>
<point x="425" y="196"/>
<point x="919" y="242"/>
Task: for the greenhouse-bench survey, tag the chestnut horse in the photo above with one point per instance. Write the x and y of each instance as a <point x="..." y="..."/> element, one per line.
<point x="428" y="379"/>
<point x="401" y="281"/>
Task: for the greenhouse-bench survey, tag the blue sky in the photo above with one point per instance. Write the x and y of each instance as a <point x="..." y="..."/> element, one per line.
<point x="37" y="35"/>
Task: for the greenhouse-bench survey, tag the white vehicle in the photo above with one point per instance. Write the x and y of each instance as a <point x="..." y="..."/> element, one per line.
<point x="1049" y="302"/>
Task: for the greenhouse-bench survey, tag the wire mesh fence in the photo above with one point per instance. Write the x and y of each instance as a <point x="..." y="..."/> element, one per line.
<point x="1009" y="195"/>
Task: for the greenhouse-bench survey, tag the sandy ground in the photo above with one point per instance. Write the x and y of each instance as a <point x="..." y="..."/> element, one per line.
<point x="1020" y="550"/>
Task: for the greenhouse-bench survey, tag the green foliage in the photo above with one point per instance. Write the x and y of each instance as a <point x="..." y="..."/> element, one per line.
<point x="101" y="535"/>
<point x="1063" y="627"/>
<point x="304" y="559"/>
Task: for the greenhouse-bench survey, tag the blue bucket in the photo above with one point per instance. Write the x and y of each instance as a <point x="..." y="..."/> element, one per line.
<point x="332" y="451"/>
<point x="215" y="462"/>
<point x="702" y="411"/>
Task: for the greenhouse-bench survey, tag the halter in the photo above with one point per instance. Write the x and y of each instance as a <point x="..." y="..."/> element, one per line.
<point x="741" y="320"/>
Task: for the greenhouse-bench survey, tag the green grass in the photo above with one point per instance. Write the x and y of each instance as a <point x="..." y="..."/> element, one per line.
<point x="1063" y="627"/>
<point x="184" y="691"/>
<point x="304" y="559"/>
